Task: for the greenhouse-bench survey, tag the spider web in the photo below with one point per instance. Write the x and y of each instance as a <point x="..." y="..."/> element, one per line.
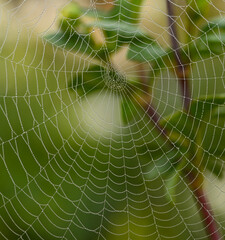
<point x="70" y="168"/>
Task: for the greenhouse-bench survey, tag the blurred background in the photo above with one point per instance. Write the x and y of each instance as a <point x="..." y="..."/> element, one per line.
<point x="69" y="168"/>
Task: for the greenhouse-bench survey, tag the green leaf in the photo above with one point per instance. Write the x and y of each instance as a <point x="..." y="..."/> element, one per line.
<point x="146" y="50"/>
<point x="90" y="80"/>
<point x="120" y="25"/>
<point x="215" y="24"/>
<point x="72" y="15"/>
<point x="214" y="136"/>
<point x="118" y="33"/>
<point x="179" y="123"/>
<point x="211" y="41"/>
<point x="127" y="10"/>
<point x="208" y="45"/>
<point x="120" y="28"/>
<point x="197" y="9"/>
<point x="199" y="109"/>
<point x="202" y="106"/>
<point x="183" y="128"/>
<point x="72" y="42"/>
<point x="97" y="77"/>
<point x="213" y="164"/>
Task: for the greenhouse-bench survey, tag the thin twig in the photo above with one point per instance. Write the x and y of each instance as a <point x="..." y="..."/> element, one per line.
<point x="181" y="68"/>
<point x="182" y="74"/>
<point x="147" y="104"/>
<point x="207" y="215"/>
<point x="205" y="208"/>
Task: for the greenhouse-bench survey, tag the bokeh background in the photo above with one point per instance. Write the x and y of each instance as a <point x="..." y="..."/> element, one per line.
<point x="64" y="162"/>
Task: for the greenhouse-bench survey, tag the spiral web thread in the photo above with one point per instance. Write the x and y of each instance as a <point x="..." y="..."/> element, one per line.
<point x="70" y="168"/>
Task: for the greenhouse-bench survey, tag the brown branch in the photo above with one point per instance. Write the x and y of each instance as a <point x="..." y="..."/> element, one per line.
<point x="204" y="206"/>
<point x="155" y="117"/>
<point x="181" y="69"/>
<point x="182" y="74"/>
<point x="207" y="215"/>
<point x="148" y="106"/>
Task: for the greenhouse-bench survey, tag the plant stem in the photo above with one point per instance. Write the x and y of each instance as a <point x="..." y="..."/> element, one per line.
<point x="205" y="209"/>
<point x="148" y="106"/>
<point x="155" y="117"/>
<point x="207" y="215"/>
<point x="182" y="74"/>
<point x="180" y="68"/>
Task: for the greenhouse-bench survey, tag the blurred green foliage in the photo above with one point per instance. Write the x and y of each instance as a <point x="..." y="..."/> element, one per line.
<point x="57" y="169"/>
